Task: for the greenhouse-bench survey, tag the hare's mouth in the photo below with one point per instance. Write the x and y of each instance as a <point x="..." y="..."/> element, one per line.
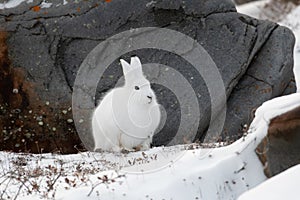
<point x="150" y="99"/>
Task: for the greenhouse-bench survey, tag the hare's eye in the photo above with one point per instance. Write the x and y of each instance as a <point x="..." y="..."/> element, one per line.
<point x="136" y="87"/>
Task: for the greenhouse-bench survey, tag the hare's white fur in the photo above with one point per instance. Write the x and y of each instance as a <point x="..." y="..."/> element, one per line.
<point x="128" y="116"/>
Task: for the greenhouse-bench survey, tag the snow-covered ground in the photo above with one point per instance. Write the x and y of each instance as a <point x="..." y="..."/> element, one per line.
<point x="282" y="186"/>
<point x="179" y="172"/>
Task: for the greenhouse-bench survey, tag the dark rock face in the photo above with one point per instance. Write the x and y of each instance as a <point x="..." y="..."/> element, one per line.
<point x="253" y="57"/>
<point x="268" y="77"/>
<point x="243" y="1"/>
<point x="280" y="150"/>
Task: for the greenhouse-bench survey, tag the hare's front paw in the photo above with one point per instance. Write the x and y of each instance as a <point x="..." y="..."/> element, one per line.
<point x="145" y="146"/>
<point x="116" y="149"/>
<point x="127" y="151"/>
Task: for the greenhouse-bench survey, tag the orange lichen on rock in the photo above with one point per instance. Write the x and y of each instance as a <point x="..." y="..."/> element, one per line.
<point x="36" y="8"/>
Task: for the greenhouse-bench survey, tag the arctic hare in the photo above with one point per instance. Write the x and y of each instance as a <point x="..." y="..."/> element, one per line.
<point x="127" y="116"/>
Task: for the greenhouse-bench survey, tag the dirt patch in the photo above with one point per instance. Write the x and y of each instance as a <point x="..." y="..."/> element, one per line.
<point x="28" y="124"/>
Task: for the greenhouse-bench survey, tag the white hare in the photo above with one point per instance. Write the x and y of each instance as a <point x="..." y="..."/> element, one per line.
<point x="128" y="116"/>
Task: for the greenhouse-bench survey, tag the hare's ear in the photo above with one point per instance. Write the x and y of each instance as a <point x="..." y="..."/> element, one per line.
<point x="125" y="66"/>
<point x="135" y="62"/>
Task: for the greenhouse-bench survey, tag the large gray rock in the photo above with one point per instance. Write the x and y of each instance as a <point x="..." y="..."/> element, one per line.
<point x="51" y="43"/>
<point x="269" y="76"/>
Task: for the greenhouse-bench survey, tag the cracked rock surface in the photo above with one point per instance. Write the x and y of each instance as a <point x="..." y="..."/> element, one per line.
<point x="254" y="58"/>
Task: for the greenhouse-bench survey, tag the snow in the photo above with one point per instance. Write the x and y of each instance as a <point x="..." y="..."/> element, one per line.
<point x="11" y="4"/>
<point x="282" y="186"/>
<point x="177" y="172"/>
<point x="14" y="3"/>
<point x="172" y="167"/>
<point x="45" y="5"/>
<point x="216" y="176"/>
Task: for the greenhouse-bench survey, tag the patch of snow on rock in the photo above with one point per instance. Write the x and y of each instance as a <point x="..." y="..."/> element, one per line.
<point x="45" y="5"/>
<point x="11" y="4"/>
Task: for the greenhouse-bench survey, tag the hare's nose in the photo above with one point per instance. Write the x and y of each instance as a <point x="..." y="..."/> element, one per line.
<point x="149" y="97"/>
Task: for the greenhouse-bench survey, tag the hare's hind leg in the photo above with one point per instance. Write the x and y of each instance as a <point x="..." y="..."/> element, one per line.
<point x="105" y="137"/>
<point x="112" y="140"/>
<point x="145" y="146"/>
<point x="97" y="134"/>
<point x="127" y="143"/>
<point x="101" y="139"/>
